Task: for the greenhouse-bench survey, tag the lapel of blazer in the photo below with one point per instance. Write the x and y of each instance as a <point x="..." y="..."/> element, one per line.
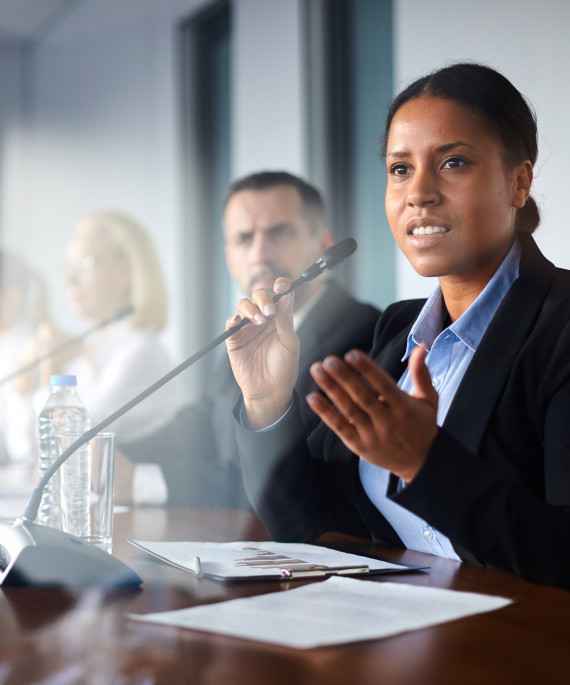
<point x="390" y="357"/>
<point x="488" y="372"/>
<point x="390" y="345"/>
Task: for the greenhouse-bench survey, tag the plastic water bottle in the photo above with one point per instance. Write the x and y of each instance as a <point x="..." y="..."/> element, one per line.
<point x="65" y="501"/>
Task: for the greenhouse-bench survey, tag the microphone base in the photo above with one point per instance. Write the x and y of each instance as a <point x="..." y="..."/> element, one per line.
<point x="39" y="556"/>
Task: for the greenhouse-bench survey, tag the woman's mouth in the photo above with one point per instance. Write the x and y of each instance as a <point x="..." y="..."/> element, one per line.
<point x="429" y="230"/>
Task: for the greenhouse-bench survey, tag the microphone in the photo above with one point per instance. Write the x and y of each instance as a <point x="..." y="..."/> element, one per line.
<point x="127" y="310"/>
<point x="31" y="554"/>
<point x="330" y="258"/>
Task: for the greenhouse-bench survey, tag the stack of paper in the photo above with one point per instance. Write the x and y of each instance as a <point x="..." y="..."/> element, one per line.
<point x="334" y="611"/>
<point x="265" y="560"/>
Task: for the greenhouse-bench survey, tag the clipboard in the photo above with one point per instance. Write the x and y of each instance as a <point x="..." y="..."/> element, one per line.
<point x="275" y="561"/>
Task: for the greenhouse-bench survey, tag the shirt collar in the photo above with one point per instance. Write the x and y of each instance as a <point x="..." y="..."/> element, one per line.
<point x="472" y="324"/>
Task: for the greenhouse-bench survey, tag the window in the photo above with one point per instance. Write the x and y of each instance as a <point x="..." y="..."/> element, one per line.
<point x="206" y="54"/>
<point x="349" y="88"/>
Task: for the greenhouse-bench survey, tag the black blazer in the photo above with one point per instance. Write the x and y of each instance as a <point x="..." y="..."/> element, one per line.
<point x="497" y="478"/>
<point x="197" y="450"/>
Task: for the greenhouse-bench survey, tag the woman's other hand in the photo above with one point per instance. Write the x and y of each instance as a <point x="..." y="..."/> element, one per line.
<point x="372" y="416"/>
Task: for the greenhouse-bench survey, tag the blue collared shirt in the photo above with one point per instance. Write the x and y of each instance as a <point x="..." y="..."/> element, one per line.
<point x="450" y="352"/>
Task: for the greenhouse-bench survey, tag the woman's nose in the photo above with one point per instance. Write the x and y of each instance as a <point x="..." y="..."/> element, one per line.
<point x="424" y="190"/>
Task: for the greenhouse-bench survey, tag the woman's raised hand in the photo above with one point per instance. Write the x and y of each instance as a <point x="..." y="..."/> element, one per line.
<point x="372" y="416"/>
<point x="265" y="354"/>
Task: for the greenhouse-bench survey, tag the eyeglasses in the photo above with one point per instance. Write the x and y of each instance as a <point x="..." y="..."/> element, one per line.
<point x="82" y="267"/>
<point x="85" y="266"/>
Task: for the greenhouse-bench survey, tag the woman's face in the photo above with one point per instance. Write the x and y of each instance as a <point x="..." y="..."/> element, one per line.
<point x="450" y="200"/>
<point x="97" y="276"/>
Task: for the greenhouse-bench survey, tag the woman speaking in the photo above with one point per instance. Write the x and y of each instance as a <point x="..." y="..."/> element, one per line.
<point x="452" y="436"/>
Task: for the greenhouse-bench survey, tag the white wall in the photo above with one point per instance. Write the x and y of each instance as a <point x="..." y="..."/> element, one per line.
<point x="529" y="42"/>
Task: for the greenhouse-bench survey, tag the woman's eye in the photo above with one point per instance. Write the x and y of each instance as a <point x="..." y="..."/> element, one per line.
<point x="399" y="169"/>
<point x="454" y="163"/>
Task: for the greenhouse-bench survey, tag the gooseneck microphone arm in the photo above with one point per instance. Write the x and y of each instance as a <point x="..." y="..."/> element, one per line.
<point x="127" y="310"/>
<point x="328" y="260"/>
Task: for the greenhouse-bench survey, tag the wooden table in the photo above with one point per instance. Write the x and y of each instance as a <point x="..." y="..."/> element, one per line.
<point x="87" y="639"/>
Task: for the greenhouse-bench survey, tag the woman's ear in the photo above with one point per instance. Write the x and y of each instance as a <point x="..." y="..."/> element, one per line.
<point x="523" y="175"/>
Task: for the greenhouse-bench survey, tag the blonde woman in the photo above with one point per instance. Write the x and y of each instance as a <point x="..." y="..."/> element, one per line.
<point x="110" y="262"/>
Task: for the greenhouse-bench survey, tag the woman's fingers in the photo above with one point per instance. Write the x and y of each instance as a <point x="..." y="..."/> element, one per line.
<point x="233" y="321"/>
<point x="264" y="355"/>
<point x="261" y="307"/>
<point x="380" y="382"/>
<point x="358" y="388"/>
<point x="332" y="418"/>
<point x="372" y="416"/>
<point x="421" y="377"/>
<point x="344" y="388"/>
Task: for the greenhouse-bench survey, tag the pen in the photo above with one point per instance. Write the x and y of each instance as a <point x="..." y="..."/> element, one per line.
<point x="317" y="571"/>
<point x="198" y="567"/>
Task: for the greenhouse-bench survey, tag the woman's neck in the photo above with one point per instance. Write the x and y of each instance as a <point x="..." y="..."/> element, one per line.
<point x="461" y="290"/>
<point x="459" y="297"/>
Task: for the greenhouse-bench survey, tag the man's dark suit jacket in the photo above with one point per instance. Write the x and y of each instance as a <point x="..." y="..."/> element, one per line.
<point x="197" y="450"/>
<point x="496" y="481"/>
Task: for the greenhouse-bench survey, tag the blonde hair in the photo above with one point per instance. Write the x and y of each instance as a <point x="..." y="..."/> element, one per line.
<point x="147" y="288"/>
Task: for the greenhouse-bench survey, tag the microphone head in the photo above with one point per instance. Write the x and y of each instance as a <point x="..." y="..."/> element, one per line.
<point x="337" y="252"/>
<point x="330" y="258"/>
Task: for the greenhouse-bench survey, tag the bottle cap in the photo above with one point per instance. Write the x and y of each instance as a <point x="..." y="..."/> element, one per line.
<point x="61" y="379"/>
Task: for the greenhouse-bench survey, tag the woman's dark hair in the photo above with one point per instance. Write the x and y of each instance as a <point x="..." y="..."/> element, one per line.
<point x="495" y="98"/>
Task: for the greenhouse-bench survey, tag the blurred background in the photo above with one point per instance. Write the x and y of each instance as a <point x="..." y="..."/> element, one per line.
<point x="151" y="107"/>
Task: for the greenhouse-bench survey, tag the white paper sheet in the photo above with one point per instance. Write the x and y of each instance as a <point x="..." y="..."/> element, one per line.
<point x="236" y="560"/>
<point x="330" y="612"/>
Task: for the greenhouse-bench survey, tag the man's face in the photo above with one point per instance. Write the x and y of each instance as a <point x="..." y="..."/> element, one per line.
<point x="268" y="236"/>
